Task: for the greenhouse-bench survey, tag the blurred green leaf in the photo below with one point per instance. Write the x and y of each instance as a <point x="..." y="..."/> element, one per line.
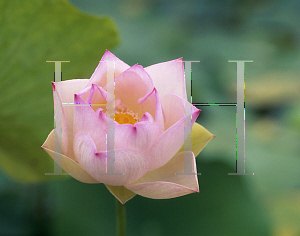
<point x="32" y="32"/>
<point x="225" y="206"/>
<point x="293" y="118"/>
<point x="285" y="211"/>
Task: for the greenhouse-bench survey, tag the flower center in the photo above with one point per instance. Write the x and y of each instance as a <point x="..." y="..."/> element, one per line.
<point x="126" y="117"/>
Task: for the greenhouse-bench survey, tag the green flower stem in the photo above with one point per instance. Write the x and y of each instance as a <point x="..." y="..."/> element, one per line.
<point x="121" y="219"/>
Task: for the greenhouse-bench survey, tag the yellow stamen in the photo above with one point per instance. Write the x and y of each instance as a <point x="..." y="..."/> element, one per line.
<point x="126" y="117"/>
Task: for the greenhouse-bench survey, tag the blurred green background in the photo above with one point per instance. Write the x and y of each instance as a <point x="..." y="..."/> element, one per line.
<point x="148" y="32"/>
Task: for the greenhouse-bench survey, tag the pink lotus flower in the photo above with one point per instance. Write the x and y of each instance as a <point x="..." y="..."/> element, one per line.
<point x="149" y="130"/>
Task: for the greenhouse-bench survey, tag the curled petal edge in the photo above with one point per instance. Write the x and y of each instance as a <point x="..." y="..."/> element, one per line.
<point x="160" y="190"/>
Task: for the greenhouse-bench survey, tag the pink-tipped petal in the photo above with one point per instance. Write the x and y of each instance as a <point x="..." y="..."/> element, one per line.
<point x="61" y="125"/>
<point x="132" y="164"/>
<point x="69" y="165"/>
<point x="96" y="98"/>
<point x="142" y="135"/>
<point x="171" y="140"/>
<point x="99" y="76"/>
<point x="84" y="93"/>
<point x="121" y="193"/>
<point x="86" y="120"/>
<point x="159" y="112"/>
<point x="174" y="109"/>
<point x="68" y="88"/>
<point x="168" y="77"/>
<point x="147" y="117"/>
<point x="163" y="183"/>
<point x="132" y="85"/>
<point x="139" y="137"/>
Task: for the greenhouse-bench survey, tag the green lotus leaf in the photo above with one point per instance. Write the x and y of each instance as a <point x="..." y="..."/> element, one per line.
<point x="31" y="33"/>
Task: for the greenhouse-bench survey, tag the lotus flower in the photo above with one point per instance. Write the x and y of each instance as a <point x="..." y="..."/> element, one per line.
<point x="149" y="120"/>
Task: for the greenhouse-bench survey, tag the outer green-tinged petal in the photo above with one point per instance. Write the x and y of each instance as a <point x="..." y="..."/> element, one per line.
<point x="200" y="137"/>
<point x="163" y="183"/>
<point x="121" y="193"/>
<point x="69" y="165"/>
